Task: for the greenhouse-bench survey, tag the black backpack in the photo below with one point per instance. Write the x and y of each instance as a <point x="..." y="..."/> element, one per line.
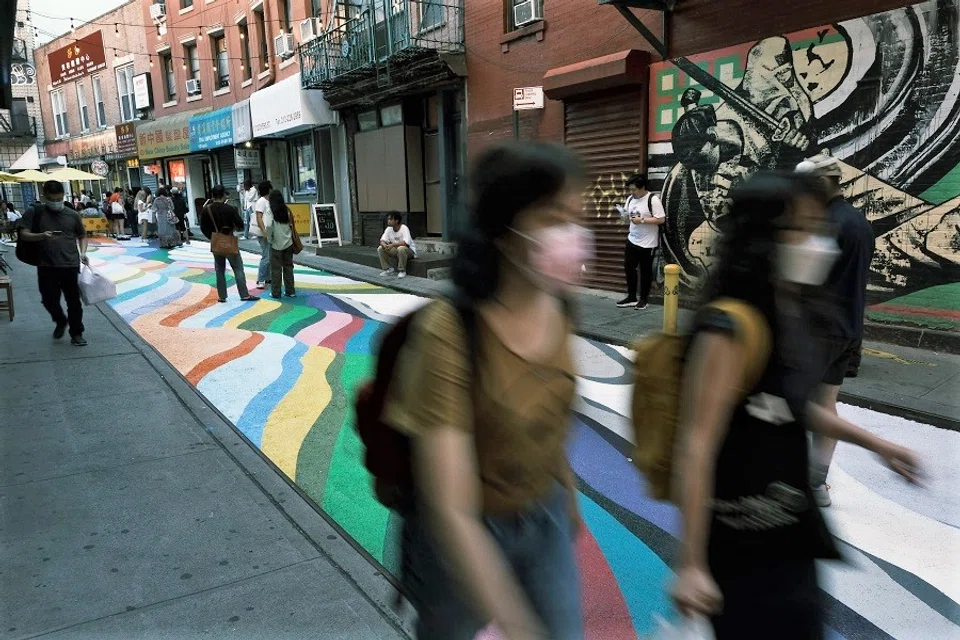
<point x="32" y="252"/>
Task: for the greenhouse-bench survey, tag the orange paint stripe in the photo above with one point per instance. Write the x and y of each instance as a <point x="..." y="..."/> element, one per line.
<point x="211" y="363"/>
<point x="174" y="320"/>
<point x="917" y="311"/>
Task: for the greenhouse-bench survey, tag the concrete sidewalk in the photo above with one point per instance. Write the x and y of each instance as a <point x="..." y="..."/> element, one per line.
<point x="130" y="508"/>
<point x="917" y="384"/>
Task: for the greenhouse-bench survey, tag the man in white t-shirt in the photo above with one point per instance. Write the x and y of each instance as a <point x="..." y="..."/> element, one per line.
<point x="396" y="244"/>
<point x="645" y="213"/>
<point x="258" y="229"/>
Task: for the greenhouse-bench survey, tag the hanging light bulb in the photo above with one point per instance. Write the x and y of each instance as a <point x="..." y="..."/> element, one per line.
<point x="151" y="61"/>
<point x="116" y="30"/>
<point x="72" y="28"/>
<point x="184" y="64"/>
<point x="243" y="35"/>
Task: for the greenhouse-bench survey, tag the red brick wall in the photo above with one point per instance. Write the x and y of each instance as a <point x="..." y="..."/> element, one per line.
<point x="574" y="30"/>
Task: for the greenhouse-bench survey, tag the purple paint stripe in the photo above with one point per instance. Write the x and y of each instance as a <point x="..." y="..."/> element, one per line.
<point x="609" y="472"/>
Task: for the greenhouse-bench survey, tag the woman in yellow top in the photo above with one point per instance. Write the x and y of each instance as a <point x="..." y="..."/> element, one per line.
<point x="491" y="535"/>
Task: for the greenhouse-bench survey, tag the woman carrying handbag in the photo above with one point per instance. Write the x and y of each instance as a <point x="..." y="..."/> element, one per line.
<point x="218" y="221"/>
<point x="283" y="244"/>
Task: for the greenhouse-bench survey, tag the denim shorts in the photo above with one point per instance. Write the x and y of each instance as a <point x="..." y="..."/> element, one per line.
<point x="536" y="542"/>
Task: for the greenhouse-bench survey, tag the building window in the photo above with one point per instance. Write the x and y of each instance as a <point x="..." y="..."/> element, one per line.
<point x="261" y="26"/>
<point x="316" y="8"/>
<point x="524" y="12"/>
<point x="367" y="120"/>
<point x="191" y="61"/>
<point x="169" y="77"/>
<point x="98" y="103"/>
<point x="430" y="14"/>
<point x="59" y="113"/>
<point x="245" y="51"/>
<point x="125" y="93"/>
<point x="222" y="65"/>
<point x="304" y="164"/>
<point x="186" y="4"/>
<point x="287" y="14"/>
<point x="82" y="107"/>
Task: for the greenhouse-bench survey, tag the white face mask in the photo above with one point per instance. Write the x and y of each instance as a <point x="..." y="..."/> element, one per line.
<point x="808" y="262"/>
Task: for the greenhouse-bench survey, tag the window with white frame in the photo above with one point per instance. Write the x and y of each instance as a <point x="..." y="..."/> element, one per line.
<point x="82" y="108"/>
<point x="98" y="103"/>
<point x="125" y="93"/>
<point x="59" y="104"/>
<point x="430" y="14"/>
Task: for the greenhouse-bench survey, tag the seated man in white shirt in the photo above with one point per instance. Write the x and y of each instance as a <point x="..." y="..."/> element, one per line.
<point x="396" y="244"/>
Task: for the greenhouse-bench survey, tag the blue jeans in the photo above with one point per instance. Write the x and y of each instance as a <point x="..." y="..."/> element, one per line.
<point x="263" y="271"/>
<point x="246" y="223"/>
<point x="537" y="544"/>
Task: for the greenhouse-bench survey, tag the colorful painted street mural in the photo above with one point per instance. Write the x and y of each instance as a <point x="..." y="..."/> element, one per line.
<point x="284" y="374"/>
<point x="881" y="93"/>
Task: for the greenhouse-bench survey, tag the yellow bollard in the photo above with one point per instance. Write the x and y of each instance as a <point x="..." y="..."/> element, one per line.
<point x="671" y="297"/>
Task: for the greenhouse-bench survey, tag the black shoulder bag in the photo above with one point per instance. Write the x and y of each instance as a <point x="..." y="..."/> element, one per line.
<point x="31" y="252"/>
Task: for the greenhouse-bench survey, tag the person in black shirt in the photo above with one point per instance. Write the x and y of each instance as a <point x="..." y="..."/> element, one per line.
<point x="217" y="215"/>
<point x="181" y="209"/>
<point x="846" y="287"/>
<point x="64" y="239"/>
<point x="752" y="528"/>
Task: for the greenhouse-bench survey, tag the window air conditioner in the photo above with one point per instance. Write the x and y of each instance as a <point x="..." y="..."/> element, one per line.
<point x="284" y="45"/>
<point x="527" y="13"/>
<point x="193" y="86"/>
<point x="158" y="11"/>
<point x="309" y="29"/>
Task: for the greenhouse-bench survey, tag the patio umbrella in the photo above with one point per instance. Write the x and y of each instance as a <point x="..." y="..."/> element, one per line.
<point x="8" y="177"/>
<point x="32" y="175"/>
<point x="68" y="174"/>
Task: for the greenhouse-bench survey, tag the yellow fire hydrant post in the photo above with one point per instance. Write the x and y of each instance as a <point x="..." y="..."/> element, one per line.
<point x="671" y="297"/>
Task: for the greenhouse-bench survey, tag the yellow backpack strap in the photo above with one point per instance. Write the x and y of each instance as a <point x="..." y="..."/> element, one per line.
<point x="753" y="333"/>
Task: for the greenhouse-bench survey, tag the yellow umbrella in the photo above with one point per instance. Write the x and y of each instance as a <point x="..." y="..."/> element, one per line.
<point x="8" y="177"/>
<point x="68" y="174"/>
<point x="32" y="175"/>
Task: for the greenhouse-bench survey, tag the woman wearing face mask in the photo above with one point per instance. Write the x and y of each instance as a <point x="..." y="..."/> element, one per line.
<point x="752" y="529"/>
<point x="491" y="535"/>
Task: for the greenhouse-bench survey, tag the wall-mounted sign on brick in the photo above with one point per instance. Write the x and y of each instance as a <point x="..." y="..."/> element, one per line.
<point x="77" y="59"/>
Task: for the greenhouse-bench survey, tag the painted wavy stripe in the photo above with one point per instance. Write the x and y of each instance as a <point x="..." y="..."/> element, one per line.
<point x="919" y="312"/>
<point x="339" y="339"/>
<point x="251" y="311"/>
<point x="145" y="296"/>
<point x="208" y="300"/>
<point x="257" y="412"/>
<point x="897" y="535"/>
<point x="395" y="305"/>
<point x="613" y="397"/>
<point x="362" y="341"/>
<point x="606" y="470"/>
<point x="866" y="589"/>
<point x="295" y="319"/>
<point x="200" y="371"/>
<point x="324" y="303"/>
<point x="605" y="611"/>
<point x="189" y="295"/>
<point x="317" y="332"/>
<point x="235" y="384"/>
<point x="643" y="577"/>
<point x="131" y="288"/>
<point x="292" y="419"/>
<point x="168" y="293"/>
<point x="215" y="315"/>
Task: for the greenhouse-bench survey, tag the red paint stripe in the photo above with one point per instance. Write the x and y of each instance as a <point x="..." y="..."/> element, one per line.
<point x="198" y="372"/>
<point x="605" y="611"/>
<point x="339" y="339"/>
<point x="923" y="312"/>
<point x="174" y="320"/>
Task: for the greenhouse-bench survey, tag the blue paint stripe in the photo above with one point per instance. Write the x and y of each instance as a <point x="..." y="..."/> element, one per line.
<point x="255" y="416"/>
<point x="222" y="319"/>
<point x="641" y="574"/>
<point x="360" y="342"/>
<point x="130" y="294"/>
<point x="153" y="305"/>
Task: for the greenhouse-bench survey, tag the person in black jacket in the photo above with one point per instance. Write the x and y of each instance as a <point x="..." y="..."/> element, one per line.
<point x="218" y="216"/>
<point x="181" y="209"/>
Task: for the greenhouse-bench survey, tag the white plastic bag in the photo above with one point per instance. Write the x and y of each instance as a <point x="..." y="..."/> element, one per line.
<point x="683" y="628"/>
<point x="95" y="287"/>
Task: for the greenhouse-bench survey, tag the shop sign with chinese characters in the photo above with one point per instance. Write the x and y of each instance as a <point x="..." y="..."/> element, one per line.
<point x="79" y="58"/>
<point x="169" y="136"/>
<point x="126" y="139"/>
<point x="212" y="130"/>
<point x="92" y="146"/>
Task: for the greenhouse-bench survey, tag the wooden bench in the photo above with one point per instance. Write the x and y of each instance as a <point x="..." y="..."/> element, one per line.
<point x="7" y="305"/>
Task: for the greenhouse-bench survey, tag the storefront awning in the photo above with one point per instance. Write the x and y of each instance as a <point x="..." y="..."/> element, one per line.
<point x="284" y="108"/>
<point x="242" y="127"/>
<point x="630" y="67"/>
<point x="211" y="130"/>
<point x="163" y="137"/>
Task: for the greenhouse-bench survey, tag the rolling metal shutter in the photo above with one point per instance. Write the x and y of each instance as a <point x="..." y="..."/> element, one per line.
<point x="607" y="131"/>
<point x="227" y="164"/>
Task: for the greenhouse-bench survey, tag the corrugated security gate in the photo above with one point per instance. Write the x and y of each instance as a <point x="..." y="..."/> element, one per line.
<point x="607" y="130"/>
<point x="227" y="165"/>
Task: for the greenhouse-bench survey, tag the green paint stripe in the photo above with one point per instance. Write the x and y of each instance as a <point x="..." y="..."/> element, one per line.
<point x="947" y="188"/>
<point x="927" y="322"/>
<point x="297" y="327"/>
<point x="263" y="322"/>
<point x="944" y="296"/>
<point x="293" y="315"/>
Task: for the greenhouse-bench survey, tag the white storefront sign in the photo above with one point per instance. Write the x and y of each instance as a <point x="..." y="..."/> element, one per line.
<point x="286" y="108"/>
<point x="142" y="95"/>
<point x="527" y="98"/>
<point x="247" y="158"/>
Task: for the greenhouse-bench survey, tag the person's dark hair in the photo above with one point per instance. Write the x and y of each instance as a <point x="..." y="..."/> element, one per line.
<point x="10" y="207"/>
<point x="264" y="188"/>
<point x="279" y="208"/>
<point x="162" y="191"/>
<point x="117" y="190"/>
<point x="218" y="192"/>
<point x="247" y="184"/>
<point x="394" y="216"/>
<point x="638" y="180"/>
<point x="147" y="191"/>
<point x="507" y="179"/>
<point x="52" y="188"/>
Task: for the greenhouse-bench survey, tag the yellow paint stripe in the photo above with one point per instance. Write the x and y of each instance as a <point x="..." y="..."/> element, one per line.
<point x="295" y="415"/>
<point x="258" y="309"/>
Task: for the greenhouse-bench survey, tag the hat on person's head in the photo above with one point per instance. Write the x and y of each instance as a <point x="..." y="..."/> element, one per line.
<point x="174" y="190"/>
<point x="820" y="166"/>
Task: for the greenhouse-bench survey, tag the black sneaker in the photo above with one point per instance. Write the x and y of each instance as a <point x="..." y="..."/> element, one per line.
<point x="641" y="305"/>
<point x="78" y="341"/>
<point x="60" y="330"/>
<point x="248" y="299"/>
<point x="627" y="302"/>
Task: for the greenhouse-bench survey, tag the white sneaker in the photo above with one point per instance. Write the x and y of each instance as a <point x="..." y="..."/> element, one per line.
<point x="822" y="495"/>
<point x="388" y="272"/>
<point x="402" y="274"/>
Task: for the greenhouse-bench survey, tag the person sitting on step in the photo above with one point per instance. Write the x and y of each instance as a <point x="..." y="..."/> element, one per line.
<point x="396" y="244"/>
